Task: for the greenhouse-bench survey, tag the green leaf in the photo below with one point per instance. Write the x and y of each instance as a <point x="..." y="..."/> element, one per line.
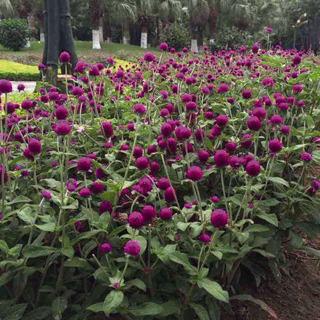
<point x="31" y="251"/>
<point x="17" y="311"/>
<point x="38" y="314"/>
<point x="295" y="240"/>
<point x="69" y="252"/>
<point x="53" y="184"/>
<point x="86" y="235"/>
<point x="183" y="225"/>
<point x="116" y="231"/>
<point x="270" y="202"/>
<point x="277" y="180"/>
<point x="26" y="215"/>
<point x="214" y="289"/>
<point x="112" y="301"/>
<point x="4" y="247"/>
<point x="213" y="308"/>
<point x="143" y="244"/>
<point x="262" y="304"/>
<point x="257" y="228"/>
<point x="146" y="309"/>
<point x="271" y="218"/>
<point x="183" y="259"/>
<point x="59" y="305"/>
<point x="77" y="263"/>
<point x="98" y="307"/>
<point x="264" y="253"/>
<point x="20" y="199"/>
<point x="311" y="252"/>
<point x="49" y="227"/>
<point x="169" y="308"/>
<point x="200" y="310"/>
<point x="136" y="283"/>
<point x="6" y="277"/>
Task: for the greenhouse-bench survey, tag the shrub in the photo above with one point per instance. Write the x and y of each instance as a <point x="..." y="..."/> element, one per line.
<point x="13" y="33"/>
<point x="18" y="72"/>
<point x="231" y="38"/>
<point x="176" y="36"/>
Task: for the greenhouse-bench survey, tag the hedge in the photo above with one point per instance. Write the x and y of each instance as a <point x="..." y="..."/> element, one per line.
<point x="18" y="72"/>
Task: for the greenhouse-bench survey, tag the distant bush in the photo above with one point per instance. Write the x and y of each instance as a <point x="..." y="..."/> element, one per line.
<point x="176" y="36"/>
<point x="231" y="38"/>
<point x="13" y="33"/>
<point x="18" y="72"/>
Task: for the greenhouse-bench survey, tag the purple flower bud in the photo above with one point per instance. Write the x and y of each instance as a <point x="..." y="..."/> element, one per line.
<point x="221" y="158"/>
<point x="306" y="156"/>
<point x="204" y="238"/>
<point x="136" y="220"/>
<point x="275" y="145"/>
<point x="105" y="247"/>
<point x="148" y="212"/>
<point x="84" y="164"/>
<point x="253" y="168"/>
<point x="46" y="194"/>
<point x="254" y="123"/>
<point x="165" y="213"/>
<point x="132" y="247"/>
<point x="219" y="218"/>
<point x="194" y="173"/>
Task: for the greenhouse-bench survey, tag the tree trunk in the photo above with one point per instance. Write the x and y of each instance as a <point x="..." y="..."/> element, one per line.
<point x="96" y="40"/>
<point x="126" y="34"/>
<point x="194" y="41"/>
<point x="144" y="37"/>
<point x="200" y="39"/>
<point x="158" y="29"/>
<point x="107" y="29"/>
<point x="101" y="30"/>
<point x="42" y="36"/>
<point x="32" y="23"/>
<point x="212" y="25"/>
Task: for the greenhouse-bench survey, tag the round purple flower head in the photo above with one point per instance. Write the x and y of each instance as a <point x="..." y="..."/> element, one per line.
<point x="253" y="168"/>
<point x="84" y="192"/>
<point x="34" y="146"/>
<point x="306" y="156"/>
<point x="194" y="173"/>
<point x="255" y="48"/>
<point x="139" y="108"/>
<point x="254" y="123"/>
<point x="214" y="199"/>
<point x="64" y="57"/>
<point x="132" y="247"/>
<point x="219" y="218"/>
<point x="149" y="56"/>
<point x="246" y="94"/>
<point x="136" y="220"/>
<point x="221" y="158"/>
<point x="316" y="184"/>
<point x="5" y="86"/>
<point x="142" y="163"/>
<point x="62" y="128"/>
<point x="21" y="87"/>
<point x="84" y="164"/>
<point x="204" y="238"/>
<point x="275" y="145"/>
<point x="165" y="213"/>
<point x="148" y="212"/>
<point x="46" y="194"/>
<point x="105" y="247"/>
<point x="296" y="59"/>
<point x="164" y="46"/>
<point x="222" y="120"/>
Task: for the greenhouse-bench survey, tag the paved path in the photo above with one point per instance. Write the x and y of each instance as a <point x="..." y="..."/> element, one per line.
<point x="30" y="85"/>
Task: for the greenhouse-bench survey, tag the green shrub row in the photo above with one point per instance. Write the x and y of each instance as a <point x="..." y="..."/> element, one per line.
<point x="18" y="72"/>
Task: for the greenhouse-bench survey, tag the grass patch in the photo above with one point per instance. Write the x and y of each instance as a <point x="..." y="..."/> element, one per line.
<point x="18" y="72"/>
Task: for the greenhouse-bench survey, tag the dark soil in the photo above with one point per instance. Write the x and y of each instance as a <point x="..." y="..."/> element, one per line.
<point x="297" y="297"/>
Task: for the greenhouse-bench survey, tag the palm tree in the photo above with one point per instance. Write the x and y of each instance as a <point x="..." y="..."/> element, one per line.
<point x="145" y="11"/>
<point x="123" y="12"/>
<point x="199" y="13"/>
<point x="167" y="11"/>
<point x="6" y="8"/>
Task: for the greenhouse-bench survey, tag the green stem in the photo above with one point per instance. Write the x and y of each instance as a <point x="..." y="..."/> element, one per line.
<point x="125" y="269"/>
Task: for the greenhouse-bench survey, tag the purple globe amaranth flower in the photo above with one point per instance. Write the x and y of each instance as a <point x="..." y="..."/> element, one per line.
<point x="254" y="123"/>
<point x="182" y="133"/>
<point x="269" y="30"/>
<point x="296" y="59"/>
<point x="219" y="218"/>
<point x="5" y="86"/>
<point x="105" y="206"/>
<point x="255" y="48"/>
<point x="26" y="105"/>
<point x="142" y="163"/>
<point x="259" y="112"/>
<point x="97" y="187"/>
<point x="136" y="220"/>
<point x="139" y="108"/>
<point x="149" y="56"/>
<point x="316" y="184"/>
<point x="214" y="199"/>
<point x="84" y="192"/>
<point x="231" y="146"/>
<point x="300" y="104"/>
<point x="306" y="156"/>
<point x="253" y="168"/>
<point x="46" y="194"/>
<point x="34" y="146"/>
<point x="21" y="87"/>
<point x="163" y="183"/>
<point x="61" y="113"/>
<point x="285" y="129"/>
<point x="105" y="247"/>
<point x="204" y="238"/>
<point x="64" y="57"/>
<point x="203" y="156"/>
<point x="148" y="212"/>
<point x="41" y="66"/>
<point x="62" y="128"/>
<point x="221" y="158"/>
<point x="170" y="195"/>
<point x="246" y="94"/>
<point x="236" y="162"/>
<point x="191" y="105"/>
<point x="297" y="88"/>
<point x="194" y="173"/>
<point x="275" y="145"/>
<point x="163" y="46"/>
<point x="222" y="120"/>
<point x="165" y="213"/>
<point x="166" y="129"/>
<point x="107" y="129"/>
<point x="223" y="87"/>
<point x="132" y="247"/>
<point x="154" y="167"/>
<point x="276" y="119"/>
<point x="137" y="152"/>
<point x="84" y="164"/>
<point x="267" y="82"/>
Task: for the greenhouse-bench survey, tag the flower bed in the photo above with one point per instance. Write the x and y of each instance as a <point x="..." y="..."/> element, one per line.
<point x="146" y="192"/>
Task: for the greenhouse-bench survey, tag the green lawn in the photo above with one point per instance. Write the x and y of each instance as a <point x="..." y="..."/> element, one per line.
<point x="33" y="55"/>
